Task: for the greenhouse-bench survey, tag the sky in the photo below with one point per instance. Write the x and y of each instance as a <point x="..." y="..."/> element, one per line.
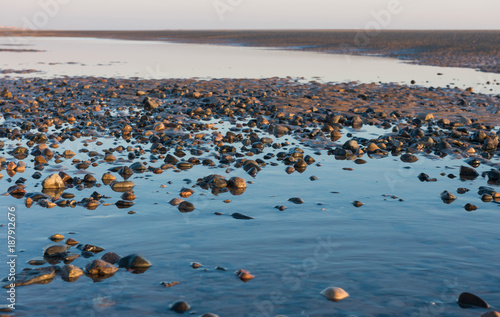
<point x="249" y="14"/>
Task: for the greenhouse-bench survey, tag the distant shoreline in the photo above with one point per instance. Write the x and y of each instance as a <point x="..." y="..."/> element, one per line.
<point x="462" y="48"/>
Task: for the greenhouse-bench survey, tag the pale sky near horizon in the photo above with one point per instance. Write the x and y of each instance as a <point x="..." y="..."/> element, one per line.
<point x="250" y="14"/>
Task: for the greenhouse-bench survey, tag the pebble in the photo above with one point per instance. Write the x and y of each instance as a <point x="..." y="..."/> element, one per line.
<point x="111" y="257"/>
<point x="169" y="284"/>
<point x="408" y="158"/>
<point x="244" y="275"/>
<point x="41" y="275"/>
<point x="470" y="207"/>
<point x="334" y="294"/>
<point x="134" y="261"/>
<point x="53" y="181"/>
<point x="56" y="250"/>
<point x="447" y="197"/>
<point x="357" y="203"/>
<point x="56" y="237"/>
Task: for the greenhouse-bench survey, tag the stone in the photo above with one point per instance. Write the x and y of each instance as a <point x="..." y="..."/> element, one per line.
<point x="468" y="173"/>
<point x="296" y="200"/>
<point x="100" y="267"/>
<point x="408" y="158"/>
<point x="236" y="182"/>
<point x="180" y="307"/>
<point x="56" y="237"/>
<point x="357" y="203"/>
<point x="185" y="206"/>
<point x="175" y="201"/>
<point x="41" y="275"/>
<point x="56" y="250"/>
<point x="133" y="261"/>
<point x="447" y="197"/>
<point x="111" y="257"/>
<point x="491" y="314"/>
<point x="468" y="300"/>
<point x="238" y="215"/>
<point x="334" y="294"/>
<point x="53" y="181"/>
<point x="124" y="186"/>
<point x="470" y="207"/>
<point x="71" y="273"/>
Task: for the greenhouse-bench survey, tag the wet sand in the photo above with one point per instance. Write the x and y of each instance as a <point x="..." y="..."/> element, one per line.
<point x="471" y="49"/>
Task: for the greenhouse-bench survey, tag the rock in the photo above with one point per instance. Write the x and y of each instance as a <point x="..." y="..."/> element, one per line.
<point x="244" y="275"/>
<point x="56" y="250"/>
<point x="185" y="206"/>
<point x="122" y="186"/>
<point x="470" y="207"/>
<point x="100" y="267"/>
<point x="56" y="237"/>
<point x="180" y="307"/>
<point x="468" y="300"/>
<point x="92" y="248"/>
<point x="70" y="257"/>
<point x="150" y="103"/>
<point x="107" y="178"/>
<point x="196" y="265"/>
<point x="447" y="197"/>
<point x="41" y="275"/>
<point x="334" y="294"/>
<point x="169" y="284"/>
<point x="425" y="117"/>
<point x="175" y="201"/>
<point x="237" y="215"/>
<point x="133" y="261"/>
<point x="357" y="203"/>
<point x="236" y="182"/>
<point x="37" y="261"/>
<point x="408" y="158"/>
<point x="53" y="181"/>
<point x="209" y="315"/>
<point x="423" y="177"/>
<point x="351" y="145"/>
<point x="296" y="200"/>
<point x="71" y="241"/>
<point x="468" y="173"/>
<point x="111" y="257"/>
<point x="71" y="273"/>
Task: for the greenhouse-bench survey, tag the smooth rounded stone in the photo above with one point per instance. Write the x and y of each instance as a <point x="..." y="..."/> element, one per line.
<point x="175" y="201"/>
<point x="313" y="178"/>
<point x="334" y="294"/>
<point x="423" y="177"/>
<point x="184" y="165"/>
<point x="296" y="200"/>
<point x="468" y="300"/>
<point x="185" y="206"/>
<point x="486" y="198"/>
<point x="122" y="186"/>
<point x="236" y="182"/>
<point x="196" y="265"/>
<point x="447" y="197"/>
<point x="56" y="250"/>
<point x="426" y="117"/>
<point x="180" y="307"/>
<point x="359" y="161"/>
<point x="408" y="158"/>
<point x="41" y="275"/>
<point x="470" y="207"/>
<point x="351" y="145"/>
<point x="468" y="173"/>
<point x="238" y="215"/>
<point x="89" y="179"/>
<point x="71" y="272"/>
<point x="108" y="178"/>
<point x="109" y="157"/>
<point x="124" y="204"/>
<point x="111" y="257"/>
<point x="56" y="237"/>
<point x="53" y="181"/>
<point x="289" y="170"/>
<point x="491" y="314"/>
<point x="67" y="195"/>
<point x="357" y="203"/>
<point x="209" y="315"/>
<point x="128" y="195"/>
<point x="244" y="275"/>
<point x="134" y="261"/>
<point x="100" y="267"/>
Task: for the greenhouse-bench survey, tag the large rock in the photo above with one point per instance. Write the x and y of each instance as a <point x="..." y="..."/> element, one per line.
<point x="71" y="273"/>
<point x="100" y="267"/>
<point x="133" y="261"/>
<point x="41" y="275"/>
<point x="408" y="158"/>
<point x="237" y="182"/>
<point x="56" y="250"/>
<point x="53" y="181"/>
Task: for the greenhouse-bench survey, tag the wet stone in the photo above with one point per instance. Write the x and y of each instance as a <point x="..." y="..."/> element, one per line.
<point x="41" y="275"/>
<point x="100" y="267"/>
<point x="133" y="261"/>
<point x="180" y="307"/>
<point x="468" y="300"/>
<point x="296" y="200"/>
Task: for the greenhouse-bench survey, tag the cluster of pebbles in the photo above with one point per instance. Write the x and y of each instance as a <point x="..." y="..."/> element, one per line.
<point x="169" y="125"/>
